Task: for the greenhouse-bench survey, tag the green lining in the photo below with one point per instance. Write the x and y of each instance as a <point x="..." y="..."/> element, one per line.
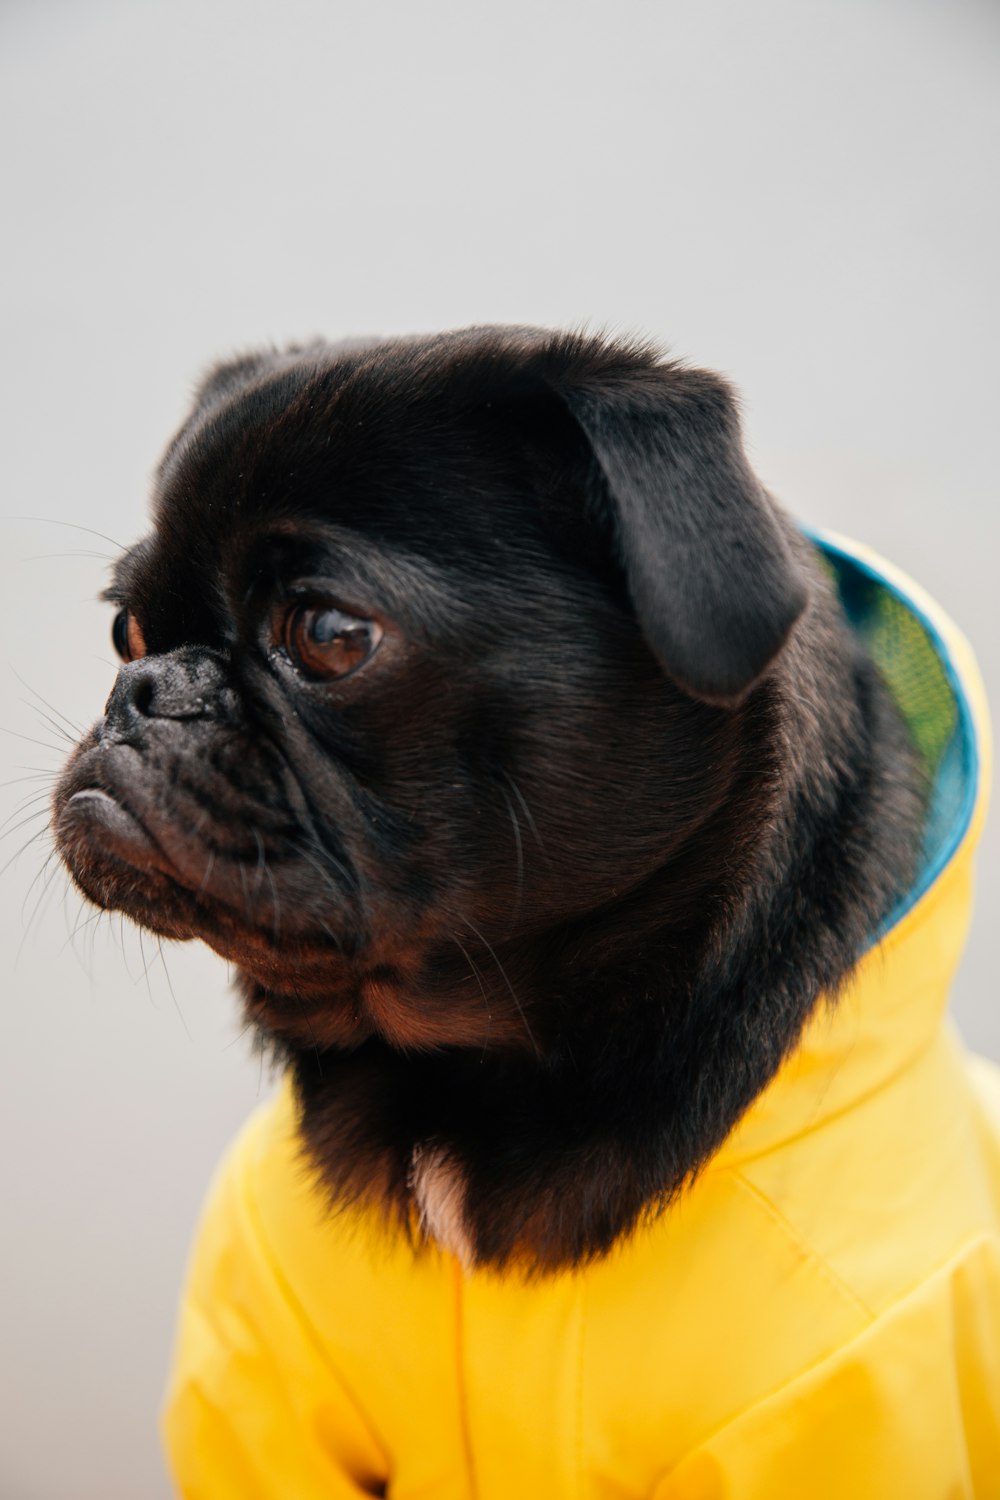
<point x="917" y="667"/>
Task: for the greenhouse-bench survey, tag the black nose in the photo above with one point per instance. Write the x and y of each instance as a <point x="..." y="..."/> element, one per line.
<point x="183" y="684"/>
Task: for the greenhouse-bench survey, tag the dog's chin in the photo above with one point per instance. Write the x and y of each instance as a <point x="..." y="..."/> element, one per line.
<point x="362" y="1001"/>
<point x="311" y="989"/>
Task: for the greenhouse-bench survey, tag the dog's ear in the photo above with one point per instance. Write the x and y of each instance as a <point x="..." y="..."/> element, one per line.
<point x="710" y="574"/>
<point x="223" y="379"/>
<point x="231" y="375"/>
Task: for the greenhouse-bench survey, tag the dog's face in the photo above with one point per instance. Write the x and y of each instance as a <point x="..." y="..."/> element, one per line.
<point x="436" y="650"/>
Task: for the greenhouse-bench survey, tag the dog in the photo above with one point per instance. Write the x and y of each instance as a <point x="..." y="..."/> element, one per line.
<point x="481" y="707"/>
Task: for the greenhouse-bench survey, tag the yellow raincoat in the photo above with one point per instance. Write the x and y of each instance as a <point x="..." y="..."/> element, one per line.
<point x="817" y="1318"/>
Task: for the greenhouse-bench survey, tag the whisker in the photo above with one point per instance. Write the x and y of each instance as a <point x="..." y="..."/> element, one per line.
<point x="334" y="939"/>
<point x="261" y="863"/>
<point x="482" y="988"/>
<point x="275" y="905"/>
<point x="519" y="891"/>
<point x="54" y="868"/>
<point x="51" y="723"/>
<point x="27" y="845"/>
<point x="239" y="1036"/>
<point x="329" y="859"/>
<point x="503" y="976"/>
<point x="206" y="877"/>
<point x="170" y="987"/>
<point x="121" y="944"/>
<point x="81" y="924"/>
<point x="76" y="728"/>
<point x="145" y="968"/>
<point x="101" y="915"/>
<point x="39" y="775"/>
<point x="39" y="875"/>
<point x="27" y="802"/>
<point x="48" y="556"/>
<point x="59" y="749"/>
<point x="73" y="526"/>
<point x="323" y="875"/>
<point x="524" y="808"/>
<point x="47" y="873"/>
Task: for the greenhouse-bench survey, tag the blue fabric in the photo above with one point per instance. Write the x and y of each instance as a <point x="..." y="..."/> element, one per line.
<point x="917" y="665"/>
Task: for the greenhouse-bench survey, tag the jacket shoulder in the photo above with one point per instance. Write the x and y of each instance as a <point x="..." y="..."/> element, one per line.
<point x="887" y="1413"/>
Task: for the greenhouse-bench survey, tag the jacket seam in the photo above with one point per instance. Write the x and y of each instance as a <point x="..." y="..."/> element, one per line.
<point x="906" y="1065"/>
<point x="581" y="1312"/>
<point x="804" y="1248"/>
<point x="461" y="1383"/>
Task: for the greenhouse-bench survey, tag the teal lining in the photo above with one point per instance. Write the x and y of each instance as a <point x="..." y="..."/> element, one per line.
<point x="920" y="672"/>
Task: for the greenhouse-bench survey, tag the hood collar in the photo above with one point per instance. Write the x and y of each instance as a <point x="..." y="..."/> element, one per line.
<point x="893" y="1003"/>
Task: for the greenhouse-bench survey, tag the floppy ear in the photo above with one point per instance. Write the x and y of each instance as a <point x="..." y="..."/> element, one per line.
<point x="228" y="376"/>
<point x="223" y="379"/>
<point x="709" y="572"/>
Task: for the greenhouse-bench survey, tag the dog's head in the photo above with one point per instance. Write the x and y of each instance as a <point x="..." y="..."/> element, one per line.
<point x="426" y="650"/>
<point x="437" y="652"/>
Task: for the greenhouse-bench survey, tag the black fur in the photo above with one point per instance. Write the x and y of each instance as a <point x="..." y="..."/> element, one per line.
<point x="549" y="887"/>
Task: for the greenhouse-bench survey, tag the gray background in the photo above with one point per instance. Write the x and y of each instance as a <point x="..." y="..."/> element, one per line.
<point x="799" y="194"/>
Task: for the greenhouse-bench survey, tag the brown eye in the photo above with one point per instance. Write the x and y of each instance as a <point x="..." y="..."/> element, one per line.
<point x="126" y="633"/>
<point x="326" y="642"/>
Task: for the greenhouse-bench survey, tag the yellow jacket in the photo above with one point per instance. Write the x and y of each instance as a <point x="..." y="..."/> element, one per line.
<point x="817" y="1318"/>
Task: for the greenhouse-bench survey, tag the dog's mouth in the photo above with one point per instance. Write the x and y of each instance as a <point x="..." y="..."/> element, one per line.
<point x="179" y="887"/>
<point x="135" y="841"/>
<point x="118" y="864"/>
<point x="150" y="843"/>
<point x="100" y="818"/>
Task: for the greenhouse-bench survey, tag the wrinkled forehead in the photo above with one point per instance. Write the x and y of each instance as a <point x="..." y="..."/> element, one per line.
<point x="408" y="506"/>
<point x="370" y="446"/>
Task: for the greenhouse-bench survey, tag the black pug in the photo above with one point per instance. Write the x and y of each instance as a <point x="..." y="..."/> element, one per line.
<point x="482" y="708"/>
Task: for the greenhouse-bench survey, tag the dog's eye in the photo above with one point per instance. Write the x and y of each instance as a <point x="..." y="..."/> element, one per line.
<point x="326" y="642"/>
<point x="126" y="633"/>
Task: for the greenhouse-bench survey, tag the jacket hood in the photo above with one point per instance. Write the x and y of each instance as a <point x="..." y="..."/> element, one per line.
<point x="893" y="1002"/>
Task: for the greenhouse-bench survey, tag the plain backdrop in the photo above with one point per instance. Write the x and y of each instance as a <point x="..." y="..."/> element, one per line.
<point x="800" y="194"/>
